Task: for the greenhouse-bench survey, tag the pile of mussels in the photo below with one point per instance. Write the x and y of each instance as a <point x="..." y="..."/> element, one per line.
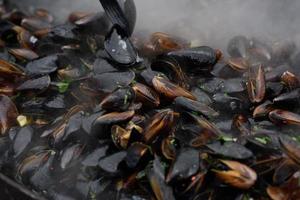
<point x="88" y="111"/>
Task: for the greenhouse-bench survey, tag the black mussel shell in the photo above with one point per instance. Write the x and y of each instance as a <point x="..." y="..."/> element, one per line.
<point x="22" y="140"/>
<point x="101" y="66"/>
<point x="44" y="65"/>
<point x="230" y="150"/>
<point x="40" y="83"/>
<point x="196" y="59"/>
<point x="110" y="164"/>
<point x="119" y="48"/>
<point x="195" y="106"/>
<point x="186" y="164"/>
<point x="120" y="99"/>
<point x="156" y="177"/>
<point x="108" y="82"/>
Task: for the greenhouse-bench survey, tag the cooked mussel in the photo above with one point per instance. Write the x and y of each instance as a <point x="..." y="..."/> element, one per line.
<point x="238" y="175"/>
<point x="196" y="59"/>
<point x="119" y="99"/>
<point x="119" y="48"/>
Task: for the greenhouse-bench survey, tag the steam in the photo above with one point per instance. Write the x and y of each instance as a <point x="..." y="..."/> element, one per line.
<point x="210" y="22"/>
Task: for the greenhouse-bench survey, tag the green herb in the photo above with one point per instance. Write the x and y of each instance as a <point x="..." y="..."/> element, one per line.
<point x="63" y="86"/>
<point x="87" y="65"/>
<point x="93" y="195"/>
<point x="126" y="99"/>
<point x="263" y="140"/>
<point x="226" y="138"/>
<point x="141" y="174"/>
<point x="296" y="139"/>
<point x="173" y="141"/>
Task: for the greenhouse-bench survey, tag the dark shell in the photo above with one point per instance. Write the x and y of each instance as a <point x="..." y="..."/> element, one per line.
<point x="101" y="66"/>
<point x="23" y="54"/>
<point x="108" y="82"/>
<point x="44" y="65"/>
<point x="146" y="95"/>
<point x="120" y="99"/>
<point x="110" y="164"/>
<point x="197" y="59"/>
<point x="231" y="150"/>
<point x="156" y="177"/>
<point x="120" y="49"/>
<point x="186" y="164"/>
<point x="8" y="113"/>
<point x="137" y="154"/>
<point x="41" y="83"/>
<point x="169" y="89"/>
<point x="195" y="106"/>
<point x="70" y="155"/>
<point x="22" y="140"/>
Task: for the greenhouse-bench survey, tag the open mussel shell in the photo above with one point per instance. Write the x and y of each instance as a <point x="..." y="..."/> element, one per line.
<point x="120" y="136"/>
<point x="160" y="123"/>
<point x="121" y="13"/>
<point x="291" y="148"/>
<point x="256" y="85"/>
<point x="160" y="43"/>
<point x="119" y="48"/>
<point x="10" y="70"/>
<point x="197" y="130"/>
<point x="31" y="163"/>
<point x="156" y="177"/>
<point x="263" y="110"/>
<point x="110" y="119"/>
<point x="169" y="89"/>
<point x="290" y="80"/>
<point x="23" y="54"/>
<point x="239" y="175"/>
<point x="8" y="113"/>
<point x="169" y="147"/>
<point x="146" y="95"/>
<point x="120" y="99"/>
<point x="238" y="64"/>
<point x="286" y="191"/>
<point x="34" y="24"/>
<point x="194" y="106"/>
<point x="171" y="68"/>
<point x="284" y="117"/>
<point x="138" y="155"/>
<point x="286" y="169"/>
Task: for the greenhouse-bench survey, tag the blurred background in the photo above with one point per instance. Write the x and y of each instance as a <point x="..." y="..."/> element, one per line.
<point x="211" y="22"/>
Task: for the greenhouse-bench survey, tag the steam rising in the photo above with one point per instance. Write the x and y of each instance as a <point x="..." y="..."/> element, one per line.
<point x="211" y="22"/>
